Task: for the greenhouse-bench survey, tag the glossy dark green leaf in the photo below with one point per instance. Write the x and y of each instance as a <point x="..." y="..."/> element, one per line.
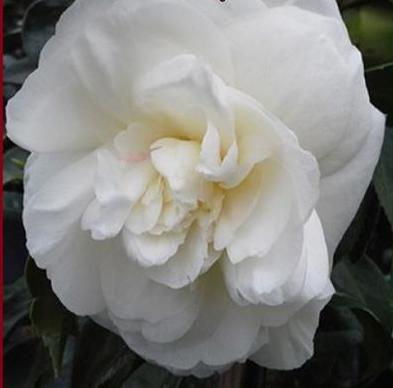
<point x="16" y="305"/>
<point x="383" y="177"/>
<point x="102" y="359"/>
<point x="14" y="161"/>
<point x="338" y="335"/>
<point x="376" y="351"/>
<point x="16" y="71"/>
<point x="371" y="29"/>
<point x="14" y="253"/>
<point x="13" y="203"/>
<point x="39" y="24"/>
<point x="27" y="366"/>
<point x="352" y="349"/>
<point x="364" y="284"/>
<point x="379" y="86"/>
<point x="356" y="239"/>
<point x="53" y="322"/>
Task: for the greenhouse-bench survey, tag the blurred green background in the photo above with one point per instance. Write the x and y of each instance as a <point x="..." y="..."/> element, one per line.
<point x="46" y="346"/>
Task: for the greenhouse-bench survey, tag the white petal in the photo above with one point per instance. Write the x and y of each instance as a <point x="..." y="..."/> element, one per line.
<point x="238" y="204"/>
<point x="149" y="250"/>
<point x="58" y="191"/>
<point x="315" y="274"/>
<point x="106" y="221"/>
<point x="322" y="7"/>
<point x="342" y="192"/>
<point x="132" y="37"/>
<point x="41" y="167"/>
<point x="285" y="67"/>
<point x="134" y="301"/>
<point x="224" y="12"/>
<point x="256" y="279"/>
<point x="263" y="227"/>
<point x="176" y="161"/>
<point x="291" y="345"/>
<point x="71" y="25"/>
<point x="52" y="113"/>
<point x="223" y="332"/>
<point x="145" y="214"/>
<point x="56" y="205"/>
<point x="116" y="179"/>
<point x="184" y="94"/>
<point x="73" y="268"/>
<point x="133" y="144"/>
<point x="186" y="265"/>
<point x="228" y="173"/>
<point x="262" y="136"/>
<point x="309" y="280"/>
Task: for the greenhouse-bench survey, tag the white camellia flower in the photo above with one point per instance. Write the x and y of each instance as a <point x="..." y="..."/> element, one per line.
<point x="194" y="165"/>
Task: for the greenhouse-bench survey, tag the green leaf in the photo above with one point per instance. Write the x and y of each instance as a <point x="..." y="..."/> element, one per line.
<point x="53" y="322"/>
<point x="337" y="336"/>
<point x="383" y="177"/>
<point x="365" y="286"/>
<point x="346" y="333"/>
<point x="14" y="236"/>
<point x="27" y="366"/>
<point x="379" y="84"/>
<point x="17" y="70"/>
<point x="13" y="203"/>
<point x="39" y="24"/>
<point x="375" y="351"/>
<point x="14" y="161"/>
<point x="351" y="349"/>
<point x="357" y="238"/>
<point x="102" y="359"/>
<point x="371" y="29"/>
<point x="384" y="66"/>
<point x="16" y="305"/>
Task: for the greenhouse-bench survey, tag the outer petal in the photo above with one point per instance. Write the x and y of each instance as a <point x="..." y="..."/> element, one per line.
<point x="48" y="103"/>
<point x="52" y="113"/>
<point x="133" y="37"/>
<point x="342" y="192"/>
<point x="291" y="345"/>
<point x="222" y="334"/>
<point x="225" y="12"/>
<point x="294" y="64"/>
<point x="53" y="209"/>
<point x="322" y="7"/>
<point x="256" y="278"/>
<point x="136" y="304"/>
<point x="63" y="197"/>
<point x="72" y="24"/>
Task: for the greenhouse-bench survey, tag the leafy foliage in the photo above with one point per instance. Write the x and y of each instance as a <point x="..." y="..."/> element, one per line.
<point x="102" y="359"/>
<point x="47" y="346"/>
<point x="383" y="179"/>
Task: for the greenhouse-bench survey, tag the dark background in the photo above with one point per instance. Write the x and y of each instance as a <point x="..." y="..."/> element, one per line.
<point x="46" y="346"/>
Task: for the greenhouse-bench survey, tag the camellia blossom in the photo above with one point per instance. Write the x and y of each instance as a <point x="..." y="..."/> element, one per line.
<point x="194" y="165"/>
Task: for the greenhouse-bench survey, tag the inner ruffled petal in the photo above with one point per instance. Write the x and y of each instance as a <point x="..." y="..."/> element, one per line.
<point x="176" y="160"/>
